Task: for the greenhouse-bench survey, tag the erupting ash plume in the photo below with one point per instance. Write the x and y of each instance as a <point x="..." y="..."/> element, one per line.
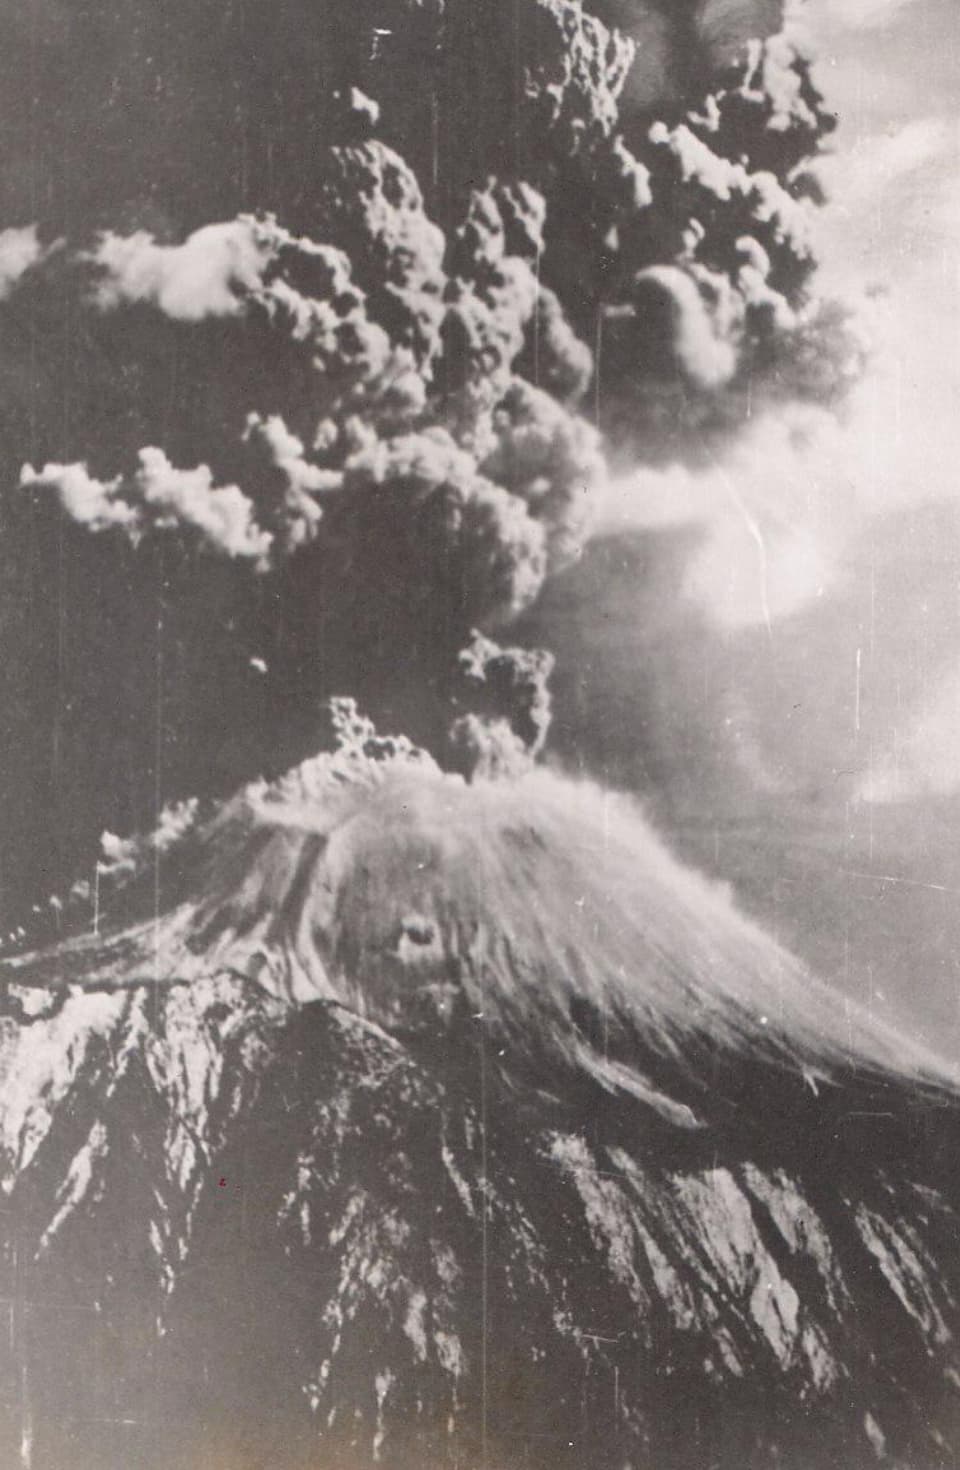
<point x="407" y="1103"/>
<point x="514" y="684"/>
<point x="389" y="399"/>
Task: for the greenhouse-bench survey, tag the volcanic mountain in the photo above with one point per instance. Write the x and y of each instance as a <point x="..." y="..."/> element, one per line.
<point x="380" y="1117"/>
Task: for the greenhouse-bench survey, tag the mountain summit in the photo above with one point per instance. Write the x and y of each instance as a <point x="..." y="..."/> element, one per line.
<point x="386" y="1118"/>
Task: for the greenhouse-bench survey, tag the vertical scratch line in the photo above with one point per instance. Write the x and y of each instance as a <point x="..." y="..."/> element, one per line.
<point x="484" y="1226"/>
<point x="157" y="787"/>
<point x="597" y="356"/>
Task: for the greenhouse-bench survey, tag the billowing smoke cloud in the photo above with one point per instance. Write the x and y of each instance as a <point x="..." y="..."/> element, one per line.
<point x="709" y="306"/>
<point x="298" y="486"/>
<point x="695" y="340"/>
<point x="508" y="726"/>
<point x="157" y="496"/>
<point x="416" y="513"/>
<point x="205" y="276"/>
<point x="120" y="856"/>
<point x="436" y="464"/>
<point x="355" y="417"/>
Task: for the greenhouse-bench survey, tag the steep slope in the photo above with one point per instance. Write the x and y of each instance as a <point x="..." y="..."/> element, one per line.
<point x="390" y="1119"/>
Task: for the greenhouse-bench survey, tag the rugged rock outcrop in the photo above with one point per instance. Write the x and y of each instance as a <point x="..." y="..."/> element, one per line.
<point x="388" y="1119"/>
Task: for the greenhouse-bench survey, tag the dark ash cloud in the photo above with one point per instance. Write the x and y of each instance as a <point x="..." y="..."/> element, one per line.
<point x="324" y="392"/>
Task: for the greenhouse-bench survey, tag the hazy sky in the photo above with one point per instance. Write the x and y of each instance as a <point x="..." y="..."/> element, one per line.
<point x="794" y="718"/>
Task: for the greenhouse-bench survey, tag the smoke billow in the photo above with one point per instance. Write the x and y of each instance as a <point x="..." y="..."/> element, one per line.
<point x="156" y="496"/>
<point x="341" y="434"/>
<point x="508" y="724"/>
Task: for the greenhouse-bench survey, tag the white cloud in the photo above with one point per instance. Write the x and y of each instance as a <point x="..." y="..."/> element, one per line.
<point x="90" y="502"/>
<point x="874" y="163"/>
<point x="207" y="275"/>
<point x="781" y="506"/>
<point x="925" y="760"/>
<point x="818" y="16"/>
<point x="20" y="248"/>
<point x="892" y="212"/>
<point x="158" y="496"/>
<point x="223" y="515"/>
<point x="770" y="537"/>
<point x="747" y="573"/>
<point x="299" y="510"/>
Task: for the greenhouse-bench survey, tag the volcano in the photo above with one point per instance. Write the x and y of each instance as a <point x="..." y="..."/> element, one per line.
<point x="386" y="1118"/>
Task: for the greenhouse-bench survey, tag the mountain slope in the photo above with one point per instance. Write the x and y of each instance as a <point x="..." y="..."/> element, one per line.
<point x="390" y="1119"/>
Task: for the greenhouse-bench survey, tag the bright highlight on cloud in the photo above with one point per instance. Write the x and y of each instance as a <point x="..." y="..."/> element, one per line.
<point x="205" y="276"/>
<point x="820" y="15"/>
<point x="157" y="496"/>
<point x="783" y="506"/>
<point x="20" y="250"/>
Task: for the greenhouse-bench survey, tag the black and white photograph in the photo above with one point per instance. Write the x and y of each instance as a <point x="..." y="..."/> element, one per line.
<point x="479" y="735"/>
